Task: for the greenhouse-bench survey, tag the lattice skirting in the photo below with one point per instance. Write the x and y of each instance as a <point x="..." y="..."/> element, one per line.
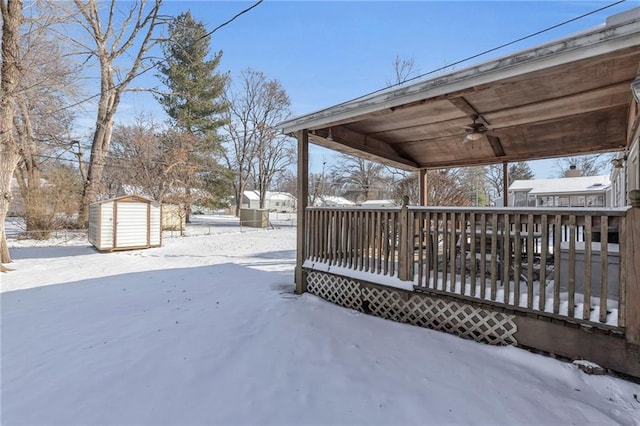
<point x="454" y="317"/>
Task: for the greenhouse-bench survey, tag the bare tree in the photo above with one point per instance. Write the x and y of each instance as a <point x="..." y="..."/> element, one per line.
<point x="42" y="124"/>
<point x="444" y="188"/>
<point x="274" y="151"/>
<point x="143" y="159"/>
<point x="587" y="165"/>
<point x="358" y="179"/>
<point x="404" y="70"/>
<point x="111" y="40"/>
<point x="516" y="171"/>
<point x="253" y="149"/>
<point x="12" y="17"/>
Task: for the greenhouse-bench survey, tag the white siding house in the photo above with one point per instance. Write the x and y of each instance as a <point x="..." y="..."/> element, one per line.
<point x="582" y="191"/>
<point x="125" y="223"/>
<point x="275" y="201"/>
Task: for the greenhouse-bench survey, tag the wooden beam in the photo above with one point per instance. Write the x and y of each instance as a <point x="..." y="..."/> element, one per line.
<point x="463" y="105"/>
<point x="496" y="145"/>
<point x="423" y="184"/>
<point x="349" y="141"/>
<point x="303" y="197"/>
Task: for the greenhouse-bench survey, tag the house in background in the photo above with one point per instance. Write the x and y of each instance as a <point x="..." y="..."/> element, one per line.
<point x="625" y="176"/>
<point x="581" y="191"/>
<point x="332" y="201"/>
<point x="275" y="201"/>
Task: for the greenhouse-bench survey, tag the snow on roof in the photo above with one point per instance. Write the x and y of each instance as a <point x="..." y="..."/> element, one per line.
<point x="255" y="195"/>
<point x="378" y="203"/>
<point x="251" y="195"/>
<point x="333" y="200"/>
<point x="279" y="196"/>
<point x="580" y="184"/>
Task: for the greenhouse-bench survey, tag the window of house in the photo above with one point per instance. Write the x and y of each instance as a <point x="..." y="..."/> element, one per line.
<point x="520" y="199"/>
<point x="595" y="201"/>
<point x="577" y="200"/>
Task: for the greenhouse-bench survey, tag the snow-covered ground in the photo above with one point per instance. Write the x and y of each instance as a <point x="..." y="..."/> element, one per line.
<point x="206" y="330"/>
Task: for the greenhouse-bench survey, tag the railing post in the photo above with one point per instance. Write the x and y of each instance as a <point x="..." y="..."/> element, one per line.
<point x="303" y="194"/>
<point x="403" y="250"/>
<point x="632" y="269"/>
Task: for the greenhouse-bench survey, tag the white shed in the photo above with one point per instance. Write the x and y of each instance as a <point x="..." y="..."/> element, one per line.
<point x="125" y="223"/>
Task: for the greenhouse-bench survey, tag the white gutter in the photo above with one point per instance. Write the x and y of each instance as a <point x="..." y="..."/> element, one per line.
<point x="618" y="33"/>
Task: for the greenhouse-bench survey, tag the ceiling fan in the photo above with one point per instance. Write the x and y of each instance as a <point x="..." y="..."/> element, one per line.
<point x="476" y="130"/>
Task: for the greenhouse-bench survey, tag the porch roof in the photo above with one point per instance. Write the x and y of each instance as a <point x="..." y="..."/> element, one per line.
<point x="567" y="97"/>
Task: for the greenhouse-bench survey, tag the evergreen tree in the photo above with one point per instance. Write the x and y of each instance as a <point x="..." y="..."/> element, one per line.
<point x="194" y="101"/>
<point x="520" y="171"/>
<point x="194" y="97"/>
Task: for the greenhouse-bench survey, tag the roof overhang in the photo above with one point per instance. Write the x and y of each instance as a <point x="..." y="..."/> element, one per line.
<point x="567" y="97"/>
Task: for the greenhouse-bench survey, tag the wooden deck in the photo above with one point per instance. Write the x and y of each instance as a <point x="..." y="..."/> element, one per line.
<point x="556" y="263"/>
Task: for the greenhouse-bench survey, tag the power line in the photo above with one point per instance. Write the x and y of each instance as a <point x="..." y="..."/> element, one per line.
<point x="480" y="54"/>
<point x="237" y="15"/>
<point x="230" y="20"/>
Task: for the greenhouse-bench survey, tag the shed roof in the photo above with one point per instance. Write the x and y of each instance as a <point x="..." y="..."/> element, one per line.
<point x="566" y="97"/>
<point x="573" y="185"/>
<point x="129" y="198"/>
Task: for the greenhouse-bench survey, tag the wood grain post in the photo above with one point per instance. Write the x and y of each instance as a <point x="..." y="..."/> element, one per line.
<point x="423" y="185"/>
<point x="405" y="241"/>
<point x="505" y="184"/>
<point x="631" y="273"/>
<point x="303" y="196"/>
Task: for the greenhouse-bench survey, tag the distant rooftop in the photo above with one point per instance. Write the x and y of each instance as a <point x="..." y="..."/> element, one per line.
<point x="582" y="184"/>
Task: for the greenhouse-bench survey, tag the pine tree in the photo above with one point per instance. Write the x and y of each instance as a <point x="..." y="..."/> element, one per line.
<point x="520" y="171"/>
<point x="194" y="99"/>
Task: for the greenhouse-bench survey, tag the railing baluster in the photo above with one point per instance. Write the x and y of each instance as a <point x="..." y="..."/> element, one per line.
<point x="494" y="256"/>
<point x="530" y="254"/>
<point x="393" y="248"/>
<point x="572" y="267"/>
<point x="604" y="265"/>
<point x="419" y="237"/>
<point x="452" y="251"/>
<point x="436" y="278"/>
<point x="517" y="260"/>
<point x="557" y="236"/>
<point x="463" y="252"/>
<point x="506" y="258"/>
<point x="445" y="250"/>
<point x="544" y="248"/>
<point x="483" y="255"/>
<point x="472" y="249"/>
<point x="588" y="238"/>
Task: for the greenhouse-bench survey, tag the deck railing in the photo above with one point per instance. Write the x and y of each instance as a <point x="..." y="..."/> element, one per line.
<point x="565" y="263"/>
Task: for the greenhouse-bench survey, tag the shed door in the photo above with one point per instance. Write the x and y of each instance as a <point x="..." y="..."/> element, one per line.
<point x="132" y="225"/>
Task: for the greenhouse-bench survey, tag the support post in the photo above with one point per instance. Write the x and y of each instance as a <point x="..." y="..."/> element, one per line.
<point x="423" y="185"/>
<point x="505" y="185"/>
<point x="404" y="253"/>
<point x="632" y="270"/>
<point x="303" y="197"/>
